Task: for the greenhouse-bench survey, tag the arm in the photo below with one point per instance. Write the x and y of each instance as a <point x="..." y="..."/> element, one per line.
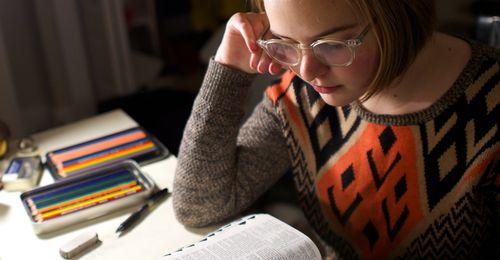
<point x="221" y="168"/>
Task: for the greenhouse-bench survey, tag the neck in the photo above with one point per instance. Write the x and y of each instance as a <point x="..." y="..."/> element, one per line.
<point x="433" y="72"/>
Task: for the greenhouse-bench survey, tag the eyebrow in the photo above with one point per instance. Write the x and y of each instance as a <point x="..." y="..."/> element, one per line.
<point x="322" y="34"/>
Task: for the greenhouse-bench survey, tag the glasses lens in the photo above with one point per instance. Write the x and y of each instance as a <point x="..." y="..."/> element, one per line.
<point x="333" y="53"/>
<point x="283" y="53"/>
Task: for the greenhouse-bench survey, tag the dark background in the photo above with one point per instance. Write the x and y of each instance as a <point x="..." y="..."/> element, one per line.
<point x="163" y="109"/>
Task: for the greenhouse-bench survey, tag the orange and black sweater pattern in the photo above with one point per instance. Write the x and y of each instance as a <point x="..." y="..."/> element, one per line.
<point x="422" y="185"/>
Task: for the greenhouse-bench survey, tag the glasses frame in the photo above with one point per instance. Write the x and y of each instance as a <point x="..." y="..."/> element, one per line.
<point x="298" y="47"/>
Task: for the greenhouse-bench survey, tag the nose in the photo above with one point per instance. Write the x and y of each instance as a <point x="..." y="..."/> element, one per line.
<point x="310" y="67"/>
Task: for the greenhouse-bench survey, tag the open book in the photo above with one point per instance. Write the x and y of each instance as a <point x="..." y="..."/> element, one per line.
<point x="258" y="236"/>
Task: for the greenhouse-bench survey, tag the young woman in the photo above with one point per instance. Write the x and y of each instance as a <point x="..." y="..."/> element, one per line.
<point x="391" y="129"/>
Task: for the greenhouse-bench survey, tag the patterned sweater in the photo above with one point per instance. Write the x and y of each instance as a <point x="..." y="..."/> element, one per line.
<point x="372" y="186"/>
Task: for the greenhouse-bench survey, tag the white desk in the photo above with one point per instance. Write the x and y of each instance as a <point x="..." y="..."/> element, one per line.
<point x="156" y="235"/>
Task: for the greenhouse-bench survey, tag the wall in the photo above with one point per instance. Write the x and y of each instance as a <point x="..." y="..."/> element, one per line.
<point x="23" y="61"/>
<point x="455" y="16"/>
<point x="58" y="58"/>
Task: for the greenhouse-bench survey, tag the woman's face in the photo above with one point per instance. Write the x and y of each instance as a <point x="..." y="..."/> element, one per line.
<point x="304" y="21"/>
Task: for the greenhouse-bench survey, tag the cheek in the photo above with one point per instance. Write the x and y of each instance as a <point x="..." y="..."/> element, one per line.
<point x="364" y="68"/>
<point x="360" y="73"/>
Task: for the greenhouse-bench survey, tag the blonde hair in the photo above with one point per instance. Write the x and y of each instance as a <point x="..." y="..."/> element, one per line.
<point x="401" y="27"/>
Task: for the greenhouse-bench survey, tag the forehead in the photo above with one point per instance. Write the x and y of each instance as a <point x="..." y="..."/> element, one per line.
<point x="303" y="19"/>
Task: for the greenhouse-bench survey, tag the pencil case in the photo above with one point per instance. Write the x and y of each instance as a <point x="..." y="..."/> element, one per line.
<point x="86" y="196"/>
<point x="131" y="144"/>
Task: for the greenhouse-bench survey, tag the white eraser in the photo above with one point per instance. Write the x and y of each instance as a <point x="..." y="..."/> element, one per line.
<point x="79" y="244"/>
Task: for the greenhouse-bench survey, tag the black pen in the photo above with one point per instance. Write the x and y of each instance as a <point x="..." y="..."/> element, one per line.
<point x="152" y="200"/>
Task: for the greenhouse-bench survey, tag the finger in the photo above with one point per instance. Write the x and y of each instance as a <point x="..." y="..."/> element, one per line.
<point x="243" y="25"/>
<point x="257" y="58"/>
<point x="264" y="64"/>
<point x="274" y="68"/>
<point x="254" y="60"/>
<point x="250" y="26"/>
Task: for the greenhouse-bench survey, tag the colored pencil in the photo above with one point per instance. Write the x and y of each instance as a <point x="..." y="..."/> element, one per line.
<point x="104" y="152"/>
<point x="129" y="144"/>
<point x="79" y="194"/>
<point x="107" y="157"/>
<point x="90" y="181"/>
<point x="88" y="203"/>
<point x="109" y="162"/>
<point x="96" y="145"/>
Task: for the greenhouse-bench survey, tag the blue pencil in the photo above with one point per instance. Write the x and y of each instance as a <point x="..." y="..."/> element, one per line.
<point x="89" y="181"/>
<point x="80" y="192"/>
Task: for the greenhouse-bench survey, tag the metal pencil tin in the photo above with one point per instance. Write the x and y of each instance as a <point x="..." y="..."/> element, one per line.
<point x="86" y="196"/>
<point x="131" y="144"/>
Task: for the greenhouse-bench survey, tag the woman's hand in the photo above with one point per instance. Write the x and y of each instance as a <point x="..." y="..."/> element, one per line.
<point x="239" y="48"/>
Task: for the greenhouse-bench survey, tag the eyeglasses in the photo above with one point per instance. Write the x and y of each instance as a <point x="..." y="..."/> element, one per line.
<point x="328" y="51"/>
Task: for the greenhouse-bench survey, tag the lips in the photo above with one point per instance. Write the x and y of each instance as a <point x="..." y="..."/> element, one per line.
<point x="325" y="89"/>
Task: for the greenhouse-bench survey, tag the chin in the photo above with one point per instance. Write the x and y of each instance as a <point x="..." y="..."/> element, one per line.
<point x="336" y="101"/>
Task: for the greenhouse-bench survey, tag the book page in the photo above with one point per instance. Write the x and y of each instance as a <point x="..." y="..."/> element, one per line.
<point x="259" y="236"/>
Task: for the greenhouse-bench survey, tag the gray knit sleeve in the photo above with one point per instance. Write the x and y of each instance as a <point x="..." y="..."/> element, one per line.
<point x="222" y="167"/>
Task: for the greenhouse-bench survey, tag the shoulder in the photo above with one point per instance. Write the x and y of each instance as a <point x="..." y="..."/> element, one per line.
<point x="483" y="67"/>
<point x="481" y="77"/>
<point x="279" y="87"/>
<point x="485" y="52"/>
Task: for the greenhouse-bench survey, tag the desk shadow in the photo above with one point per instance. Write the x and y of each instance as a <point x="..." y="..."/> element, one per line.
<point x="4" y="210"/>
<point x="203" y="230"/>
